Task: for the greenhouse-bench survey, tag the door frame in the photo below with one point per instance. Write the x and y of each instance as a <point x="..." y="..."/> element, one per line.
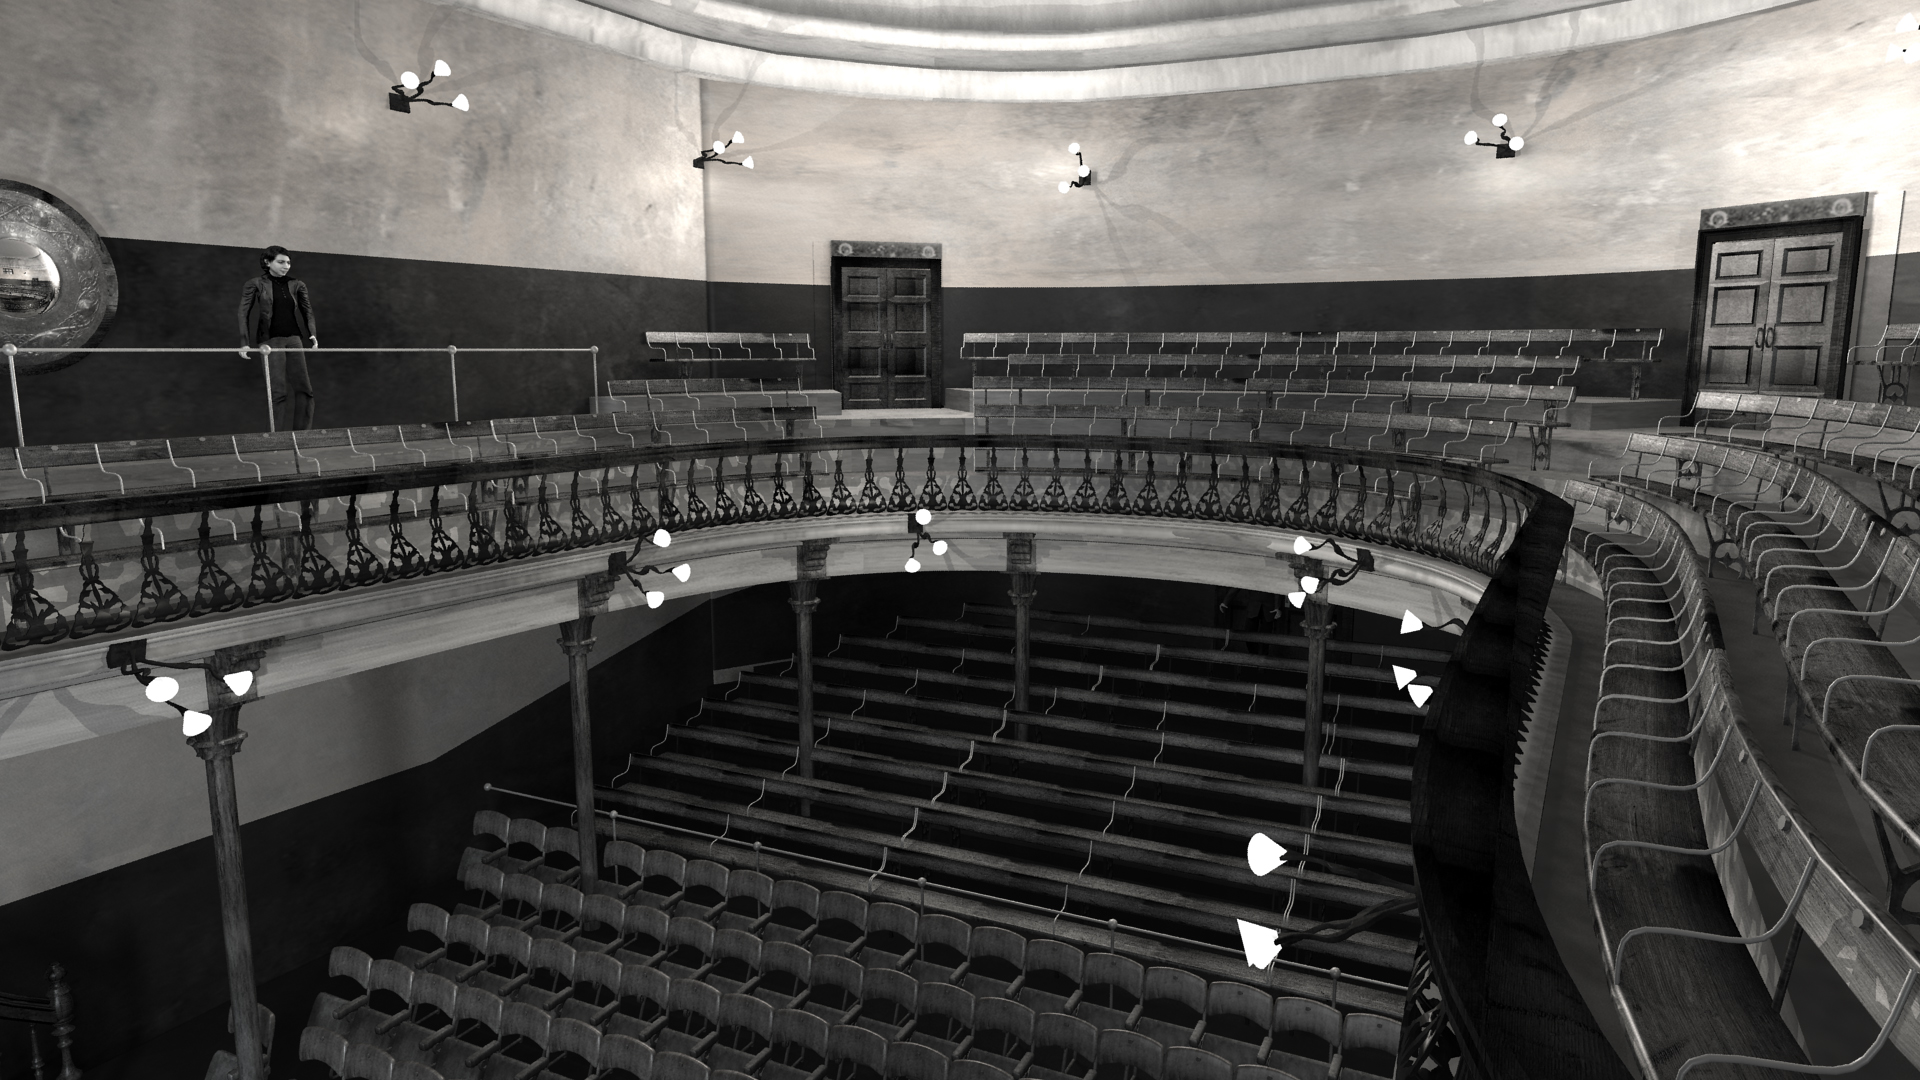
<point x="1767" y="221"/>
<point x="893" y="255"/>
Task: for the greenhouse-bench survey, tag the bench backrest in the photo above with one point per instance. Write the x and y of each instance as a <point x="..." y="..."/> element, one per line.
<point x="1865" y="413"/>
<point x="617" y="387"/>
<point x="1471" y="391"/>
<point x="1259" y="418"/>
<point x="712" y="345"/>
<point x="1595" y="344"/>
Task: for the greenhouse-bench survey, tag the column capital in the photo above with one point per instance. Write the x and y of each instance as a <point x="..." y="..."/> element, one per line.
<point x="1020" y="556"/>
<point x="211" y="749"/>
<point x="803" y="595"/>
<point x="576" y="636"/>
<point x="810" y="559"/>
<point x="594" y="589"/>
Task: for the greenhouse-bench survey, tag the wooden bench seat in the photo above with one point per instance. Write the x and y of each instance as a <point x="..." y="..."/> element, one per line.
<point x="1614" y="344"/>
<point x="1877" y="440"/>
<point x="1140" y="903"/>
<point x="719" y="345"/>
<point x="653" y="387"/>
<point x="1440" y="435"/>
<point x="1799" y="591"/>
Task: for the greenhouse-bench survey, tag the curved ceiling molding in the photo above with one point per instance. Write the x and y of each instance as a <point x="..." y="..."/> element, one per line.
<point x="1082" y="51"/>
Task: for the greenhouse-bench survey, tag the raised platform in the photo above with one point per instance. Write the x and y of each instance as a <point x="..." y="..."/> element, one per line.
<point x="1602" y="413"/>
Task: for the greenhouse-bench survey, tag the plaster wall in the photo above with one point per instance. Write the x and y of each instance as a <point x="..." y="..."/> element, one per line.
<point x="248" y="123"/>
<point x="1345" y="181"/>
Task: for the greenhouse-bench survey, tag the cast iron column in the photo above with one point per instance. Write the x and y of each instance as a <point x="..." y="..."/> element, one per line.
<point x="576" y="640"/>
<point x="1020" y="568"/>
<point x="804" y="597"/>
<point x="216" y="746"/>
<point x="1315" y="626"/>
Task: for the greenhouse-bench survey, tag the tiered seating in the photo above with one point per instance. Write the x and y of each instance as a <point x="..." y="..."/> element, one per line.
<point x="1452" y="393"/>
<point x="1880" y="441"/>
<point x="684" y="969"/>
<point x="1786" y="525"/>
<point x="701" y="410"/>
<point x="922" y="763"/>
<point x="1892" y="359"/>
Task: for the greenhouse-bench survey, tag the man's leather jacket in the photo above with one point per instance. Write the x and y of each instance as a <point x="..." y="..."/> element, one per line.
<point x="256" y="309"/>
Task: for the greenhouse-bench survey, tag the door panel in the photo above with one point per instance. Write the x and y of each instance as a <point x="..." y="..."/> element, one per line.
<point x="1770" y="310"/>
<point x="887" y="328"/>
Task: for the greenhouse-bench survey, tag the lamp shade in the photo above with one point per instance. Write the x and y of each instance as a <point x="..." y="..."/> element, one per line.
<point x="1517" y="142"/>
<point x="1302" y="545"/>
<point x="239" y="682"/>
<point x="923" y="516"/>
<point x="1419" y="694"/>
<point x="913" y="565"/>
<point x="749" y="162"/>
<point x="1908" y="24"/>
<point x="1085" y="171"/>
<point x="683" y="571"/>
<point x="441" y="69"/>
<point x="1499" y="119"/>
<point x="193" y="723"/>
<point x="738" y="138"/>
<point x="460" y="102"/>
<point x="1065" y="187"/>
<point x="1410" y="623"/>
<point x="162" y="688"/>
<point x="939" y="547"/>
<point x="409" y="80"/>
<point x="1260" y="943"/>
<point x="1473" y="137"/>
<point x="655" y="598"/>
<point x="1074" y="147"/>
<point x="1402" y="676"/>
<point x="662" y="538"/>
<point x="1310" y="583"/>
<point x="1296" y="598"/>
<point x="1263" y="855"/>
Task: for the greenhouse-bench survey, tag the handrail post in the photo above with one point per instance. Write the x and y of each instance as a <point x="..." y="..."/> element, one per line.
<point x="453" y="377"/>
<point x="13" y="380"/>
<point x="594" y="390"/>
<point x="576" y="640"/>
<point x="266" y="377"/>
<point x="1315" y="625"/>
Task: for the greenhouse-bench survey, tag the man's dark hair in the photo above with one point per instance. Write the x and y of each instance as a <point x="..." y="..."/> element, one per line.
<point x="271" y="254"/>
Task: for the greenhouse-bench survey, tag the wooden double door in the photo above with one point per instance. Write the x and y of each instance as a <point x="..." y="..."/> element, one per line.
<point x="1777" y="309"/>
<point x="887" y="333"/>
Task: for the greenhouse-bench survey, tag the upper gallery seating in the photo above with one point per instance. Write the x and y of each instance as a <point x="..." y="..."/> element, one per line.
<point x="1452" y="393"/>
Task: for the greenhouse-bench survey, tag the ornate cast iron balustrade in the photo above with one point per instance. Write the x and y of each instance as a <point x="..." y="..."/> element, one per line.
<point x="99" y="563"/>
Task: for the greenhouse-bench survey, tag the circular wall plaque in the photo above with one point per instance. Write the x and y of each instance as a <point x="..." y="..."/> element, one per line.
<point x="58" y="289"/>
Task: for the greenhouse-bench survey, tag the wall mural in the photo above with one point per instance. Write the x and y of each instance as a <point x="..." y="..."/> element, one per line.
<point x="58" y="288"/>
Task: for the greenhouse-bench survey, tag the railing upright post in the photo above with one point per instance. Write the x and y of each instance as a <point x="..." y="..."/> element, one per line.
<point x="13" y="380"/>
<point x="576" y="640"/>
<point x="266" y="378"/>
<point x="594" y="391"/>
<point x="1316" y="625"/>
<point x="453" y="377"/>
<point x="804" y="597"/>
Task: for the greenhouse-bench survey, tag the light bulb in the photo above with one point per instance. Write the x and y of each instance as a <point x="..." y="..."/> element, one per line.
<point x="1296" y="598"/>
<point x="718" y="146"/>
<point x="1263" y="854"/>
<point x="162" y="688"/>
<point x="1311" y="584"/>
<point x="939" y="547"/>
<point x="683" y="571"/>
<point x="460" y="102"/>
<point x="1085" y="171"/>
<point x="1473" y="137"/>
<point x="1499" y="119"/>
<point x="923" y="516"/>
<point x="662" y="538"/>
<point x="1410" y="623"/>
<point x="409" y="80"/>
<point x="193" y="723"/>
<point x="1065" y="187"/>
<point x="1260" y="943"/>
<point x="1302" y="545"/>
<point x="749" y="162"/>
<point x="655" y="598"/>
<point x="1073" y="148"/>
<point x="441" y="69"/>
<point x="738" y="138"/>
<point x="1419" y="694"/>
<point x="1517" y="143"/>
<point x="913" y="565"/>
<point x="1402" y="676"/>
<point x="239" y="682"/>
<point x="1908" y="24"/>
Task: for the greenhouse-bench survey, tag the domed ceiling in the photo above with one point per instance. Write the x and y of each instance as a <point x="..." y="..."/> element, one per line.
<point x="1079" y="50"/>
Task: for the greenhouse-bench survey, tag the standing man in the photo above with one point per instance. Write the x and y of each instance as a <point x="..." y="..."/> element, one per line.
<point x="276" y="311"/>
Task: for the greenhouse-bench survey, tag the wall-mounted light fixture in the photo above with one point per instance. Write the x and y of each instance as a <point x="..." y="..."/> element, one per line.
<point x="1362" y="560"/>
<point x="131" y="658"/>
<point x="917" y="523"/>
<point x="412" y="89"/>
<point x="619" y="564"/>
<point x="1508" y="146"/>
<point x="1410" y="623"/>
<point x="1083" y="177"/>
<point x="1261" y="943"/>
<point x="711" y="155"/>
<point x="1908" y="50"/>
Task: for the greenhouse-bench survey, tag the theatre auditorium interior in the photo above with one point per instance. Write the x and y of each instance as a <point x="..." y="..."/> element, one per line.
<point x="959" y="540"/>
